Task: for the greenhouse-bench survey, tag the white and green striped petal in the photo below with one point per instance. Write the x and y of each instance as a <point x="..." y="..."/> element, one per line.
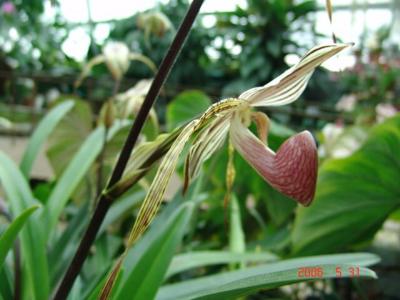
<point x="207" y="142"/>
<point x="156" y="192"/>
<point x="288" y="87"/>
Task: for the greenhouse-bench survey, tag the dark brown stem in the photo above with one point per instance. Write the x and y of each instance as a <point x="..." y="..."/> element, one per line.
<point x="104" y="203"/>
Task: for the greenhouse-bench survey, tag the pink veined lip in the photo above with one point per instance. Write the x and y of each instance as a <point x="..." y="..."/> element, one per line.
<point x="292" y="170"/>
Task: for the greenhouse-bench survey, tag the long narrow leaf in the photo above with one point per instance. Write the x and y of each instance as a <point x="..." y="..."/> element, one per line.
<point x="154" y="262"/>
<point x="75" y="172"/>
<point x="121" y="207"/>
<point x="237" y="242"/>
<point x="187" y="261"/>
<point x="63" y="248"/>
<point x="33" y="244"/>
<point x="43" y="130"/>
<point x="231" y="285"/>
<point x="5" y="283"/>
<point x="8" y="237"/>
<point x="72" y="176"/>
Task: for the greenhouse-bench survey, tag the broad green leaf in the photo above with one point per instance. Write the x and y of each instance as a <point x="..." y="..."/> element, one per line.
<point x="72" y="176"/>
<point x="8" y="237"/>
<point x="43" y="130"/>
<point x="154" y="259"/>
<point x="151" y="128"/>
<point x="187" y="261"/>
<point x="354" y="195"/>
<point x="115" y="142"/>
<point x="33" y="243"/>
<point x="69" y="134"/>
<point x="234" y="284"/>
<point x="185" y="107"/>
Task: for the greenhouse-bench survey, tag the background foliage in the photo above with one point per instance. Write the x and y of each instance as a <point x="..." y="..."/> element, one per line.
<point x="197" y="247"/>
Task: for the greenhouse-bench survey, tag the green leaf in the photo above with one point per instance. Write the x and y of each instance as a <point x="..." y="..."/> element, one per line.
<point x="187" y="261"/>
<point x="151" y="128"/>
<point x="122" y="207"/>
<point x="72" y="176"/>
<point x="63" y="248"/>
<point x="42" y="131"/>
<point x="155" y="255"/>
<point x="234" y="284"/>
<point x="33" y="243"/>
<point x="98" y="264"/>
<point x="69" y="134"/>
<point x="354" y="195"/>
<point x="237" y="242"/>
<point x="94" y="295"/>
<point x="185" y="107"/>
<point x="6" y="288"/>
<point x="8" y="237"/>
<point x="75" y="293"/>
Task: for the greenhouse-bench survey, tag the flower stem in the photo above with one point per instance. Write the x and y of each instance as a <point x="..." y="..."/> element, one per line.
<point x="104" y="203"/>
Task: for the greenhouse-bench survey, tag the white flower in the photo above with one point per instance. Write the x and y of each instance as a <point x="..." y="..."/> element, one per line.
<point x="117" y="58"/>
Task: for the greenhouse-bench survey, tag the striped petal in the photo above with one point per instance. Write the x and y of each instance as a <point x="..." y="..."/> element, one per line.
<point x="156" y="191"/>
<point x="207" y="142"/>
<point x="153" y="199"/>
<point x="292" y="170"/>
<point x="288" y="87"/>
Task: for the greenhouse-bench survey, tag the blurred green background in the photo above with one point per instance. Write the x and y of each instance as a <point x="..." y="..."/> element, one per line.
<point x="351" y="106"/>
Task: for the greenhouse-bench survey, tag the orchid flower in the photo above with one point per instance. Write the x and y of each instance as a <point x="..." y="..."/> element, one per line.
<point x="292" y="170"/>
<point x="117" y="57"/>
<point x="154" y="22"/>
